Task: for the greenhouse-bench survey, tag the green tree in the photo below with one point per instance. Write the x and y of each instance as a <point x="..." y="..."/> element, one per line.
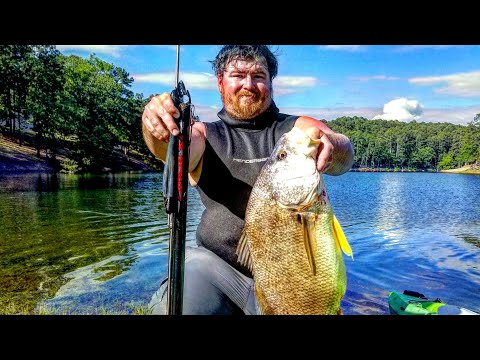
<point x="99" y="103"/>
<point x="44" y="100"/>
<point x="476" y="120"/>
<point x="446" y="162"/>
<point x="16" y="62"/>
<point x="387" y="143"/>
<point x="423" y="158"/>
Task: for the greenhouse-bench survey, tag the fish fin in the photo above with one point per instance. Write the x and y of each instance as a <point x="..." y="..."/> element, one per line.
<point x="260" y="310"/>
<point x="308" y="242"/>
<point x="340" y="237"/>
<point x="243" y="252"/>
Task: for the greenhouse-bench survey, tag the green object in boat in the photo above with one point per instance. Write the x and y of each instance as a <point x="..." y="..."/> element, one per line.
<point x="414" y="303"/>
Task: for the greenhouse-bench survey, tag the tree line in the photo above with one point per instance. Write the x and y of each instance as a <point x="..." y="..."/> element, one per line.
<point x="67" y="101"/>
<point x="417" y="145"/>
<point x="86" y="105"/>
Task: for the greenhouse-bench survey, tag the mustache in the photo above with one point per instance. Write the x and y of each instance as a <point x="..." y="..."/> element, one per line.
<point x="247" y="93"/>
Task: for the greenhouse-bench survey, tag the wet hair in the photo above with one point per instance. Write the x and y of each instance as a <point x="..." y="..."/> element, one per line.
<point x="230" y="53"/>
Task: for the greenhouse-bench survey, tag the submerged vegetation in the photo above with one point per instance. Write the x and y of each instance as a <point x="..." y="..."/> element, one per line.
<point x="120" y="309"/>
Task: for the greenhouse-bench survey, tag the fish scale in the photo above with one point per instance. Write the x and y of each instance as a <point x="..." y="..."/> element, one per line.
<point x="291" y="240"/>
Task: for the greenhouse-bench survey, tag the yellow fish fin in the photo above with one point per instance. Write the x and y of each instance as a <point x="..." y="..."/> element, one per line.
<point x="243" y="252"/>
<point x="340" y="237"/>
<point x="307" y="238"/>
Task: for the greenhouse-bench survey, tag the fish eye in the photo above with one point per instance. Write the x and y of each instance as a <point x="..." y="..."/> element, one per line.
<point x="282" y="154"/>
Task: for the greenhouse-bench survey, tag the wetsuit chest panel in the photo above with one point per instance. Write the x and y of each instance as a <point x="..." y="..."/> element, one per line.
<point x="232" y="160"/>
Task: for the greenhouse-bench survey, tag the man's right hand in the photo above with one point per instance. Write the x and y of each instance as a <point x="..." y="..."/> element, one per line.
<point x="158" y="117"/>
<point x="158" y="123"/>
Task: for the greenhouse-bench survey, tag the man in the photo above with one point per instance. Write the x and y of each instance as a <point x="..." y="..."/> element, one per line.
<point x="225" y="158"/>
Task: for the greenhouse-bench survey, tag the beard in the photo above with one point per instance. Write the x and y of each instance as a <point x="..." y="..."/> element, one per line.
<point x="245" y="104"/>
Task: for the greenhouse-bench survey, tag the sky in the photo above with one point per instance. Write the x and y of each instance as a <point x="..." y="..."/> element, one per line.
<point x="425" y="83"/>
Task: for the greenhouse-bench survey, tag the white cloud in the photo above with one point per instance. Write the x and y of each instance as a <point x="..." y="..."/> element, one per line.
<point x="409" y="48"/>
<point x="203" y="81"/>
<point x="112" y="50"/>
<point x="171" y="47"/>
<point x="457" y="116"/>
<point x="401" y="109"/>
<point x="295" y="81"/>
<point x="461" y="84"/>
<point x="330" y="113"/>
<point x="373" y="77"/>
<point x="284" y="85"/>
<point x="350" y="48"/>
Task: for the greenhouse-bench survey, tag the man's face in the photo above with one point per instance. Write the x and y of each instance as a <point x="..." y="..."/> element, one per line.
<point x="245" y="88"/>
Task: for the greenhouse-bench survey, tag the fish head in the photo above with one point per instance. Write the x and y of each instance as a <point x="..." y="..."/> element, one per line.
<point x="292" y="169"/>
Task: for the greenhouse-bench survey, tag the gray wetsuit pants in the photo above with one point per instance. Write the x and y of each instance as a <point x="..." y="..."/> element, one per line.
<point x="211" y="287"/>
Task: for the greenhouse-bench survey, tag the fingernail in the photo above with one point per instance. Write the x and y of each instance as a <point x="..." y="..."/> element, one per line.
<point x="175" y="132"/>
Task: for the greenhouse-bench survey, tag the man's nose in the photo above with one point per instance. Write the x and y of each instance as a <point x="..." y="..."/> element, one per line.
<point x="248" y="83"/>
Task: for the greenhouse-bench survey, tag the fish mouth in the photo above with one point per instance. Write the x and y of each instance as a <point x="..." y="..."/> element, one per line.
<point x="310" y="198"/>
<point x="297" y="201"/>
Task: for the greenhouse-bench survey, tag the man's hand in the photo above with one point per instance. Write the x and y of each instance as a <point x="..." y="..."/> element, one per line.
<point x="325" y="154"/>
<point x="158" y="117"/>
<point x="335" y="151"/>
<point x="158" y="123"/>
<point x="325" y="148"/>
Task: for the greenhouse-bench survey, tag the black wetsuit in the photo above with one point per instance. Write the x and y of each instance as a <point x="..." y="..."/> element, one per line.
<point x="234" y="154"/>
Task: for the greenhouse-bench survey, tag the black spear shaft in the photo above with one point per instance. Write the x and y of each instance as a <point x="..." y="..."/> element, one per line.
<point x="175" y="182"/>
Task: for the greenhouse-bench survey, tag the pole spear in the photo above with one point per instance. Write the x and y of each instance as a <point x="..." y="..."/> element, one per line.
<point x="175" y="191"/>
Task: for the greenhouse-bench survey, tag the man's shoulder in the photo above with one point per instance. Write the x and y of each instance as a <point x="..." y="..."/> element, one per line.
<point x="287" y="120"/>
<point x="286" y="117"/>
<point x="212" y="125"/>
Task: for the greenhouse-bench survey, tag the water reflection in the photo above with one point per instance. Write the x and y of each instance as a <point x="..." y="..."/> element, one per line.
<point x="87" y="243"/>
<point x="53" y="224"/>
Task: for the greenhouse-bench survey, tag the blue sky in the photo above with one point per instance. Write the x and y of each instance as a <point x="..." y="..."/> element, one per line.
<point x="426" y="83"/>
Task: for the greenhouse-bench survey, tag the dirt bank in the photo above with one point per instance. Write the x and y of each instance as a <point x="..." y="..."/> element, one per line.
<point x="467" y="169"/>
<point x="21" y="158"/>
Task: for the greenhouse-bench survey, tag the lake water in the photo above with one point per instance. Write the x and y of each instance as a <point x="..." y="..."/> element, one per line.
<point x="98" y="243"/>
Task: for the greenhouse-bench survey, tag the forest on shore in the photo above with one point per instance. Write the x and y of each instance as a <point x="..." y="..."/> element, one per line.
<point x="83" y="112"/>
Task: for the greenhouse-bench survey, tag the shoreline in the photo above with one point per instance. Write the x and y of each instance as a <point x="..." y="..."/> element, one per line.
<point x="469" y="169"/>
<point x="16" y="158"/>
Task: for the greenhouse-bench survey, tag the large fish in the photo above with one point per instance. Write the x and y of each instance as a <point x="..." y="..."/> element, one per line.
<point x="292" y="241"/>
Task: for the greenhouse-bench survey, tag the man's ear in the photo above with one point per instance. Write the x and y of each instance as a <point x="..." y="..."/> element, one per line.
<point x="219" y="82"/>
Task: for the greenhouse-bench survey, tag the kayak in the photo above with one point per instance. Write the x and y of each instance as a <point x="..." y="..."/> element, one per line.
<point x="414" y="303"/>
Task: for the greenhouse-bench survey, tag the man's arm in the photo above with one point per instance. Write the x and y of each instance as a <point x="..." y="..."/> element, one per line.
<point x="157" y="147"/>
<point x="158" y="125"/>
<point x="197" y="144"/>
<point x="335" y="156"/>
